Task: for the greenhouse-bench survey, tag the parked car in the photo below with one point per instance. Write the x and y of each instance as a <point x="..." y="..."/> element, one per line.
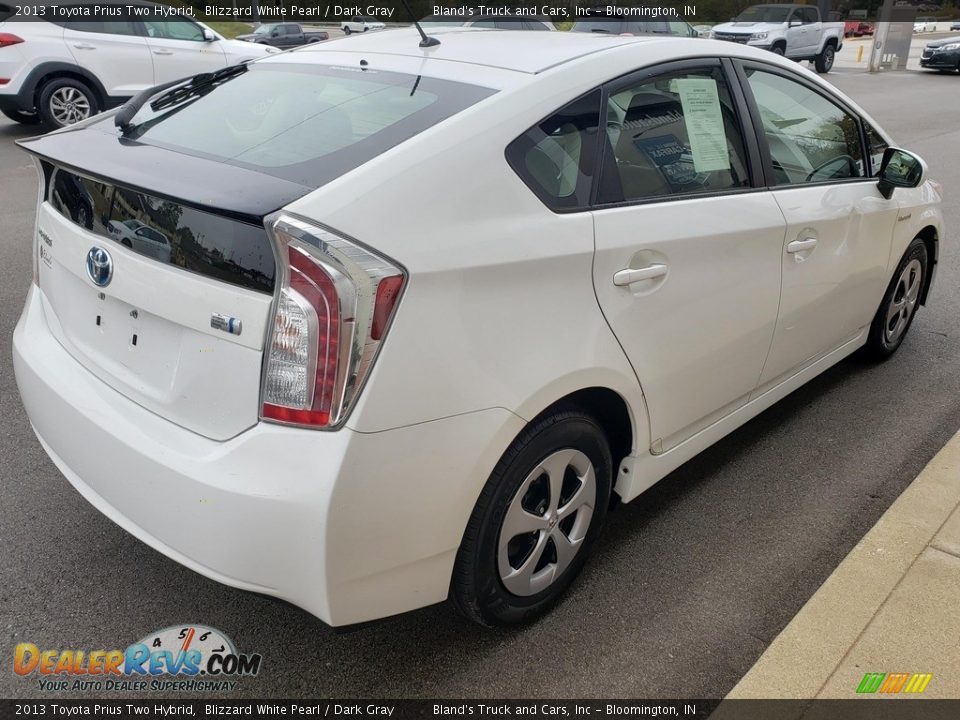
<point x="609" y="25"/>
<point x="71" y="195"/>
<point x="63" y="72"/>
<point x="795" y="31"/>
<point x="942" y="54"/>
<point x="857" y="28"/>
<point x="434" y="22"/>
<point x="925" y="24"/>
<point x="955" y="25"/>
<point x="284" y="35"/>
<point x="140" y="237"/>
<point x="360" y="24"/>
<point x="365" y="410"/>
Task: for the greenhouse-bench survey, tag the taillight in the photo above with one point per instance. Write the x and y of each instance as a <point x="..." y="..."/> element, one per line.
<point x="334" y="304"/>
<point x="9" y="39"/>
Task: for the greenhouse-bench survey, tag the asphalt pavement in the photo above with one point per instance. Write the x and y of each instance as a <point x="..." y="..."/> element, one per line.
<point x="690" y="583"/>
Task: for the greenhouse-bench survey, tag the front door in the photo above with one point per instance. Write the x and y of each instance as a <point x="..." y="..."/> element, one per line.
<point x="687" y="266"/>
<point x="839" y="226"/>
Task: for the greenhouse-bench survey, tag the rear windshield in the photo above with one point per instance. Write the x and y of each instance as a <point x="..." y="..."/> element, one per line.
<point x="305" y="123"/>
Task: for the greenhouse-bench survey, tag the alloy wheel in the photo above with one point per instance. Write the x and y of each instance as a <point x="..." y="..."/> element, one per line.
<point x="546" y="522"/>
<point x="903" y="303"/>
<point x="68" y="106"/>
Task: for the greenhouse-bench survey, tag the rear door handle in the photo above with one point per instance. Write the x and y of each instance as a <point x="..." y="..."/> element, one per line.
<point x="163" y="52"/>
<point x="85" y="46"/>
<point x="801" y="245"/>
<point x="631" y="275"/>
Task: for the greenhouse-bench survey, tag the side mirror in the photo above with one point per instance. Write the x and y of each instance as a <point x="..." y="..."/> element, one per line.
<point x="899" y="168"/>
<point x="208" y="35"/>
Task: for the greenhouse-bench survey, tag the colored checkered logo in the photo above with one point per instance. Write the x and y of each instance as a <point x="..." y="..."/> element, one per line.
<point x="892" y="683"/>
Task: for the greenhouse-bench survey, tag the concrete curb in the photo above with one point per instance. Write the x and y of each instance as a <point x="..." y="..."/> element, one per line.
<point x="802" y="659"/>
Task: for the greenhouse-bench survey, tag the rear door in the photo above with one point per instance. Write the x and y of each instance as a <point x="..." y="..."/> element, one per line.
<point x="839" y="226"/>
<point x="114" y="51"/>
<point x="180" y="50"/>
<point x="687" y="267"/>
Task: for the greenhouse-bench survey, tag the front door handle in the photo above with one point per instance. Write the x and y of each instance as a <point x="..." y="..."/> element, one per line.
<point x="85" y="46"/>
<point x="163" y="52"/>
<point x="801" y="245"/>
<point x="631" y="275"/>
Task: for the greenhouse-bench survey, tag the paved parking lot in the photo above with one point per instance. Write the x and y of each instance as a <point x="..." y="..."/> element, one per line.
<point x="691" y="582"/>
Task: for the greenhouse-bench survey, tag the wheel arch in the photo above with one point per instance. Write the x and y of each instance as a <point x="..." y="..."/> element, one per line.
<point x="45" y="72"/>
<point x="931" y="240"/>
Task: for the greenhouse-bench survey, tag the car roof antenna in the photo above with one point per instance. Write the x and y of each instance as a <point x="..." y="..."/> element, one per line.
<point x="426" y="40"/>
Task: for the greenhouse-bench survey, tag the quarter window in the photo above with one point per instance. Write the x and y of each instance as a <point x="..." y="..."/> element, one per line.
<point x="555" y="158"/>
<point x="676" y="134"/>
<point x="876" y="145"/>
<point x="811" y="139"/>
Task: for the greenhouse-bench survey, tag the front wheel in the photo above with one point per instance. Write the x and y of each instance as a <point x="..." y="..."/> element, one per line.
<point x="535" y="522"/>
<point x="899" y="305"/>
<point x="779" y="50"/>
<point x="824" y="61"/>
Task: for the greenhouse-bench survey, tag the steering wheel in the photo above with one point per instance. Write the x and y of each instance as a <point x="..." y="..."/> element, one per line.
<point x="850" y="162"/>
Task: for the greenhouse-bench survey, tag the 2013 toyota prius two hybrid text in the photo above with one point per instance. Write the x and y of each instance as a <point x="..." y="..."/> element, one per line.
<point x="411" y="317"/>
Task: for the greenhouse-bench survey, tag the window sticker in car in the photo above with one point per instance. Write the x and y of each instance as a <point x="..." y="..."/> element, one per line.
<point x="704" y="120"/>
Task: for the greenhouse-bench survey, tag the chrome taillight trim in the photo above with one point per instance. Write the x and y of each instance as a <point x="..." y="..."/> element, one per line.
<point x="356" y="270"/>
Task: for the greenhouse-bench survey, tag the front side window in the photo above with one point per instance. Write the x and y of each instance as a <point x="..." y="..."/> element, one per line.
<point x="555" y="158"/>
<point x="675" y="134"/>
<point x="174" y="30"/>
<point x="811" y="138"/>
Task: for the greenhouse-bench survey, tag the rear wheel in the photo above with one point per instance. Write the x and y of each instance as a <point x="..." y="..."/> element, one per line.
<point x="535" y="522"/>
<point x="824" y="61"/>
<point x="347" y="30"/>
<point x="899" y="305"/>
<point x="65" y="101"/>
<point x="24" y="118"/>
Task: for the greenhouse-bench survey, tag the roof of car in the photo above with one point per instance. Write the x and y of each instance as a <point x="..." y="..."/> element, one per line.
<point x="525" y="51"/>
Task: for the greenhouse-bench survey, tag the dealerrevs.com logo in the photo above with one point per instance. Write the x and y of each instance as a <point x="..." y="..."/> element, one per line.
<point x="178" y="658"/>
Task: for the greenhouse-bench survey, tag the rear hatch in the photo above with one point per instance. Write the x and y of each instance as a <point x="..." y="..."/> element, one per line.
<point x="156" y="270"/>
<point x="164" y="301"/>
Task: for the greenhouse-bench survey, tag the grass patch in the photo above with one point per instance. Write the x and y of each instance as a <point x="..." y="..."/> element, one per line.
<point x="230" y="28"/>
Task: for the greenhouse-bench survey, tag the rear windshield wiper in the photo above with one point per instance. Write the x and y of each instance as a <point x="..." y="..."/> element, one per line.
<point x="177" y="92"/>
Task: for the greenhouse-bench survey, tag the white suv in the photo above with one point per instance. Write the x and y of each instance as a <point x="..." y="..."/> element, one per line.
<point x="63" y="72"/>
<point x="360" y="24"/>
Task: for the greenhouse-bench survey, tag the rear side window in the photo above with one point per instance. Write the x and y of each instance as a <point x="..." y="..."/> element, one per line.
<point x="674" y="134"/>
<point x="555" y="158"/>
<point x="305" y="123"/>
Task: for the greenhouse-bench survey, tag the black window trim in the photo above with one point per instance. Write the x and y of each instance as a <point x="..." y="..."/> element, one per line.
<point x="771" y="184"/>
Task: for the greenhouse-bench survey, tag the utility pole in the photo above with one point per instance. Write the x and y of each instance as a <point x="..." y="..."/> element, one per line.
<point x="880" y="35"/>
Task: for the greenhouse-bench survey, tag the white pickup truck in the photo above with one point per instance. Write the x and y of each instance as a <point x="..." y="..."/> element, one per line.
<point x="792" y="30"/>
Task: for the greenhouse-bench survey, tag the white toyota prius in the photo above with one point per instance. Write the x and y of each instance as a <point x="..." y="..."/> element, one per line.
<point x="429" y="309"/>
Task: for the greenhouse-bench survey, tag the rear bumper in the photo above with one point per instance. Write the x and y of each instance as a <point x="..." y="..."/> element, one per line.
<point x="349" y="526"/>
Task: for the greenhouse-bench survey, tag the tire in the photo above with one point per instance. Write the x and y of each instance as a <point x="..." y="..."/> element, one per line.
<point x="24" y="118"/>
<point x="65" y="101"/>
<point x="824" y="61"/>
<point x="347" y="31"/>
<point x="890" y="325"/>
<point x="779" y="49"/>
<point x="517" y="580"/>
